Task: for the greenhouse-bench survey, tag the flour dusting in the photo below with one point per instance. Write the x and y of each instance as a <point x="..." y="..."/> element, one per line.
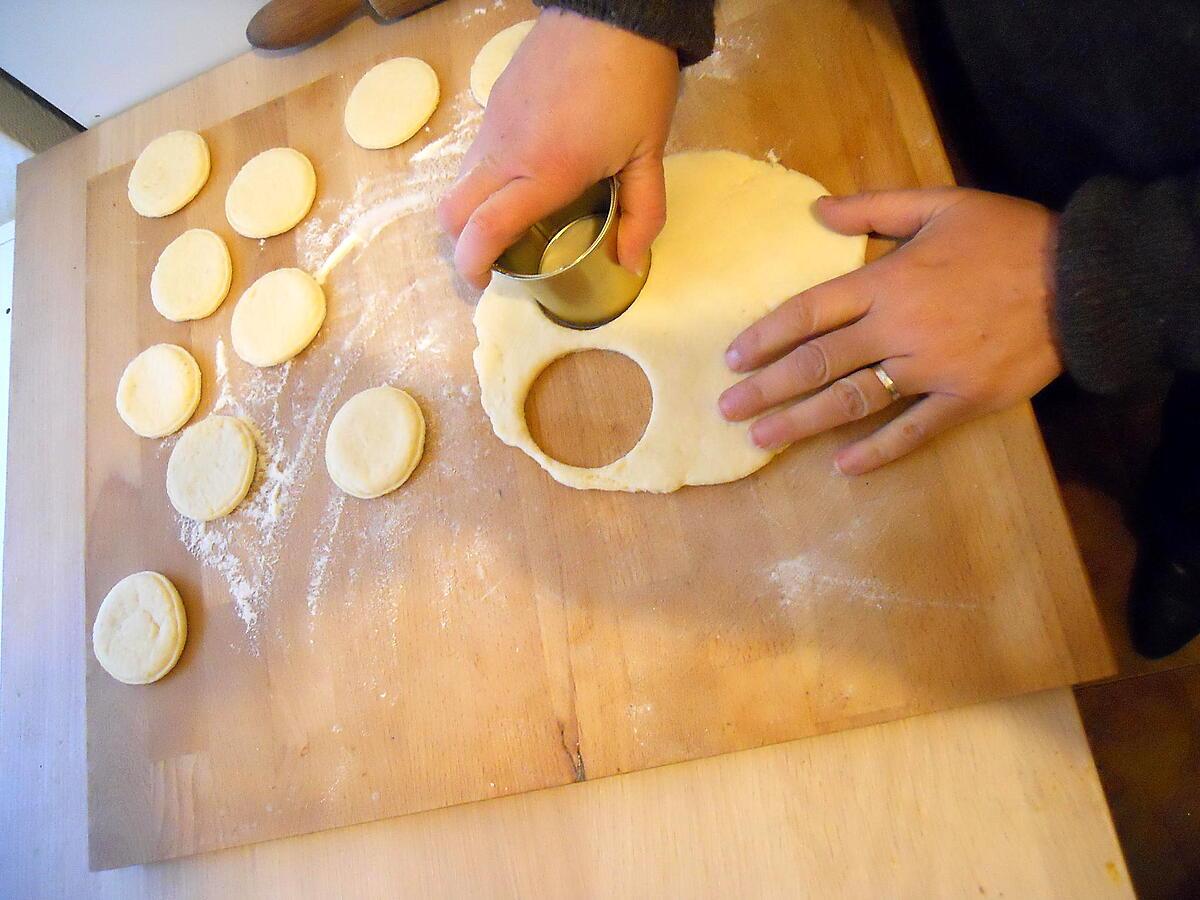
<point x="803" y="581"/>
<point x="728" y="60"/>
<point x="289" y="410"/>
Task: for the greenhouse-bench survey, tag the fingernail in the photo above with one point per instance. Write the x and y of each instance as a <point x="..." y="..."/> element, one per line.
<point x="733" y="358"/>
<point x="724" y="404"/>
<point x="759" y="441"/>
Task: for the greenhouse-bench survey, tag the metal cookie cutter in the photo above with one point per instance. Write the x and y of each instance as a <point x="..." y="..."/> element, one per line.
<point x="568" y="262"/>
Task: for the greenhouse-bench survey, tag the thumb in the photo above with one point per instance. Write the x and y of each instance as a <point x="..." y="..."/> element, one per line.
<point x="897" y="214"/>
<point x="643" y="203"/>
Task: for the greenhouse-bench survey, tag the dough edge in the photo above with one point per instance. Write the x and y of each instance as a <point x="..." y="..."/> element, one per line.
<point x="237" y="213"/>
<point x="179" y="619"/>
<point x="157" y="287"/>
<point x="247" y="480"/>
<point x="333" y="464"/>
<point x="149" y="207"/>
<point x="361" y="132"/>
<point x="503" y="394"/>
<point x="185" y="414"/>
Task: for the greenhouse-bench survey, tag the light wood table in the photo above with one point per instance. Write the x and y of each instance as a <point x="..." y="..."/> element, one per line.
<point x="996" y="798"/>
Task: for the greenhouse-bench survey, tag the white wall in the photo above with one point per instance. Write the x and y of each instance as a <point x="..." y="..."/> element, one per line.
<point x="93" y="58"/>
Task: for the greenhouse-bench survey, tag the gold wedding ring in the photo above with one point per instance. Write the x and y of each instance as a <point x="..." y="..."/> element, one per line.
<point x="886" y="380"/>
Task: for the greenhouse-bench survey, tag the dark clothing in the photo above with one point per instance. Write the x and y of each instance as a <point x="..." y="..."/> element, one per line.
<point x="1088" y="106"/>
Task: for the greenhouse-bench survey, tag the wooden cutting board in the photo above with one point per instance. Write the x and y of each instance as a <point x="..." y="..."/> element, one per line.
<point x="485" y="631"/>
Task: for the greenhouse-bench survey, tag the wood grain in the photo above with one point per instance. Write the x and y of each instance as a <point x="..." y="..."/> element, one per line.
<point x="805" y="813"/>
<point x="603" y="394"/>
<point x="574" y="635"/>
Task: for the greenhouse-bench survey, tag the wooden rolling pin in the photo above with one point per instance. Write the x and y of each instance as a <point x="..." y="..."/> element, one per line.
<point x="289" y="23"/>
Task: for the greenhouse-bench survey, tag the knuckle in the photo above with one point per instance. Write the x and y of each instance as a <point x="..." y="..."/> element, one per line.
<point x="810" y="364"/>
<point x="849" y="398"/>
<point x="488" y="224"/>
<point x="913" y="432"/>
<point x="802" y="312"/>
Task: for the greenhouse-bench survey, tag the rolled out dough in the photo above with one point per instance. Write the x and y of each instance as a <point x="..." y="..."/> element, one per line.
<point x="271" y="193"/>
<point x="192" y="276"/>
<point x="374" y="442"/>
<point x="493" y="58"/>
<point x="159" y="390"/>
<point x="277" y="317"/>
<point x="740" y="238"/>
<point x="168" y="173"/>
<point x="140" y="629"/>
<point x="391" y="103"/>
<point x="211" y="468"/>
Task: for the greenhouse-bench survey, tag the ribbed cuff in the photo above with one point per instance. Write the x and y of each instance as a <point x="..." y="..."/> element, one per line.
<point x="684" y="25"/>
<point x="1128" y="282"/>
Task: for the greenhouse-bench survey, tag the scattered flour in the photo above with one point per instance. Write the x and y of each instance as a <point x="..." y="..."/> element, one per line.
<point x="803" y="581"/>
<point x="728" y="60"/>
<point x="289" y="412"/>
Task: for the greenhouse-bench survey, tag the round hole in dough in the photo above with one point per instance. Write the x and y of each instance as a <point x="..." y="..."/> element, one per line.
<point x="493" y="58"/>
<point x="159" y="390"/>
<point x="589" y="408"/>
<point x="211" y="468"/>
<point x="192" y="276"/>
<point x="277" y="317"/>
<point x="391" y="103"/>
<point x="168" y="173"/>
<point x="140" y="629"/>
<point x="741" y="237"/>
<point x="374" y="442"/>
<point x="271" y="193"/>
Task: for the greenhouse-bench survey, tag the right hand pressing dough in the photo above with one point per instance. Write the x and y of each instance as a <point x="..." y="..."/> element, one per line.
<point x="140" y="629"/>
<point x="192" y="276"/>
<point x="168" y="173"/>
<point x="211" y="468"/>
<point x="374" y="442"/>
<point x="277" y="317"/>
<point x="271" y="193"/>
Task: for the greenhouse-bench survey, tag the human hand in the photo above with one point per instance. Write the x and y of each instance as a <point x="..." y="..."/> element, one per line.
<point x="959" y="314"/>
<point x="581" y="101"/>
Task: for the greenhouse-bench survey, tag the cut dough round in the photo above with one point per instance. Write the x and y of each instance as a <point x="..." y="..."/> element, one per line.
<point x="391" y="103"/>
<point x="494" y="57"/>
<point x="168" y="173"/>
<point x="140" y="629"/>
<point x="192" y="276"/>
<point x="159" y="390"/>
<point x="271" y="193"/>
<point x="740" y="238"/>
<point x="374" y="442"/>
<point x="211" y="468"/>
<point x="277" y="317"/>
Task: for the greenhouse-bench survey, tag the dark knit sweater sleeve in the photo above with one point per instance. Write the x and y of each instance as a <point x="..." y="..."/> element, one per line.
<point x="1128" y="281"/>
<point x="684" y="25"/>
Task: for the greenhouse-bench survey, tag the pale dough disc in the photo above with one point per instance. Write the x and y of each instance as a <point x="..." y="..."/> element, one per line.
<point x="211" y="468"/>
<point x="159" y="390"/>
<point x="391" y="103"/>
<point x="493" y="58"/>
<point x="277" y="317"/>
<point x="140" y="629"/>
<point x="740" y="238"/>
<point x="271" y="193"/>
<point x="192" y="276"/>
<point x="168" y="173"/>
<point x="374" y="442"/>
